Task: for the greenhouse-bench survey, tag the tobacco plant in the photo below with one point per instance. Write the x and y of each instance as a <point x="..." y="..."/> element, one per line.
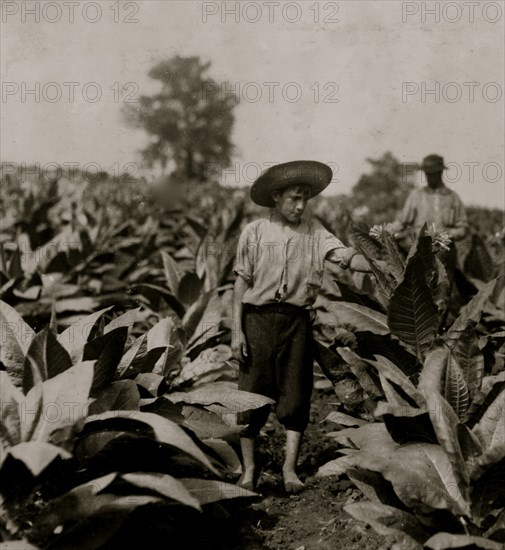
<point x="432" y="464"/>
<point x="90" y="432"/>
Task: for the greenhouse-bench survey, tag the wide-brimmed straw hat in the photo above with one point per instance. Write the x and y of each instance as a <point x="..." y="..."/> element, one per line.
<point x="432" y="164"/>
<point x="315" y="175"/>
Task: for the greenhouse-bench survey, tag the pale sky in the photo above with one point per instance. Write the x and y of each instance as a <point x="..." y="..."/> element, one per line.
<point x="377" y="58"/>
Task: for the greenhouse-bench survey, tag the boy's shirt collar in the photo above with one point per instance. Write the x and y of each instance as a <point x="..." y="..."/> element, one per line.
<point x="275" y="219"/>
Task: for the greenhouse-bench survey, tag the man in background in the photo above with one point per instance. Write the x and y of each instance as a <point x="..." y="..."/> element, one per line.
<point x="437" y="206"/>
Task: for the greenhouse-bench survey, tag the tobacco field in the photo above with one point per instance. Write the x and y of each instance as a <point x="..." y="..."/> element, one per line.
<point x="118" y="394"/>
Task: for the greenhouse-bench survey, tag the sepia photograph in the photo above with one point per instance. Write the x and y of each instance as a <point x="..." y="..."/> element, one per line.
<point x="252" y="275"/>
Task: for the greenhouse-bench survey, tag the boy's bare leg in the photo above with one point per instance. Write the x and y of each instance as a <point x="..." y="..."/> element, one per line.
<point x="248" y="464"/>
<point x="292" y="482"/>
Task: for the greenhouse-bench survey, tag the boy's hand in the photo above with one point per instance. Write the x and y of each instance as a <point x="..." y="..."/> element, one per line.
<point x="239" y="346"/>
<point x="382" y="265"/>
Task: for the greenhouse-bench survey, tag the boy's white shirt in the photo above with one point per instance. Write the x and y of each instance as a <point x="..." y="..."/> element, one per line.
<point x="282" y="263"/>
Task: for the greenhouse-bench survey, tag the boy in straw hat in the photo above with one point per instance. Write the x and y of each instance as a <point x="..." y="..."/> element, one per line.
<point x="279" y="268"/>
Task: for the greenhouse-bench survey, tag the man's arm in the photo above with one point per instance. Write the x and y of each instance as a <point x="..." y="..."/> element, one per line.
<point x="460" y="228"/>
<point x="238" y="341"/>
<point x="406" y="216"/>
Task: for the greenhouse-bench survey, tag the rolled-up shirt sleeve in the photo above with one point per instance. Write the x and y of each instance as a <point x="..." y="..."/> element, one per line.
<point x="244" y="261"/>
<point x="335" y="251"/>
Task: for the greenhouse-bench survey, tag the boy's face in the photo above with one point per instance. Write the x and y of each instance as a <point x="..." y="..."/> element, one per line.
<point x="291" y="203"/>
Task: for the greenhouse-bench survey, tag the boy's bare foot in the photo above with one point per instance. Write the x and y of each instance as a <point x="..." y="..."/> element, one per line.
<point x="292" y="483"/>
<point x="247" y="480"/>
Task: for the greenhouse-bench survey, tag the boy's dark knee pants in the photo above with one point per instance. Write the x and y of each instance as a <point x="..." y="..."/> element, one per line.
<point x="279" y="365"/>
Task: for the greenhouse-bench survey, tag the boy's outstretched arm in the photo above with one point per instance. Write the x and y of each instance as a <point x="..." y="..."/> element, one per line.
<point x="238" y="341"/>
<point x="357" y="262"/>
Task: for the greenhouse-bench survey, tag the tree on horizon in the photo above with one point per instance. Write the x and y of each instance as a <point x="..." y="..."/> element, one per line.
<point x="384" y="190"/>
<point x="189" y="121"/>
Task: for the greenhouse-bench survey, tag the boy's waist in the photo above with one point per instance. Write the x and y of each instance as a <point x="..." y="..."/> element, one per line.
<point x="275" y="307"/>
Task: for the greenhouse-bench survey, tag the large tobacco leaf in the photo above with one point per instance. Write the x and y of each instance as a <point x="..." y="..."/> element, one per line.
<point x="229" y="460"/>
<point x="213" y="360"/>
<point x="64" y="399"/>
<point x="125" y="320"/>
<point x="45" y="358"/>
<point x="190" y="288"/>
<point x="172" y="272"/>
<point x="421" y="474"/>
<point x="456" y="390"/>
<point x="423" y="250"/>
<point x="406" y="424"/>
<point x="393" y="394"/>
<point x="370" y="248"/>
<point x="194" y="314"/>
<point x="221" y="400"/>
<point x="447" y="400"/>
<point x="360" y="238"/>
<point x="446" y="541"/>
<point x="337" y="467"/>
<point x="479" y="262"/>
<point x="440" y="284"/>
<point x="122" y="395"/>
<point x="395" y="260"/>
<point x="445" y="424"/>
<point x="367" y="438"/>
<point x="412" y="313"/>
<point x="359" y="317"/>
<point x="394" y="374"/>
<point x="107" y="350"/>
<point x="470" y="359"/>
<point x="207" y="491"/>
<point x="470" y="314"/>
<point x="487" y="495"/>
<point x="36" y="455"/>
<point x="164" y="431"/>
<point x="442" y="374"/>
<point x="366" y="377"/>
<point x="163" y="485"/>
<point x="344" y="419"/>
<point x="85" y="504"/>
<point x="50" y="405"/>
<point x="206" y="424"/>
<point x="491" y="427"/>
<point x="147" y="349"/>
<point x="208" y="324"/>
<point x="388" y="520"/>
<point x="354" y="295"/>
<point x="374" y="487"/>
<point x="208" y="260"/>
<point x="391" y="348"/>
<point x="74" y="337"/>
<point x="16" y="339"/>
<point x="490" y="388"/>
<point x="470" y="446"/>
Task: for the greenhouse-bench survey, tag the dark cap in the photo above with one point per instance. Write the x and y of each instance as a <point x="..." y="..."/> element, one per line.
<point x="433" y="164"/>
